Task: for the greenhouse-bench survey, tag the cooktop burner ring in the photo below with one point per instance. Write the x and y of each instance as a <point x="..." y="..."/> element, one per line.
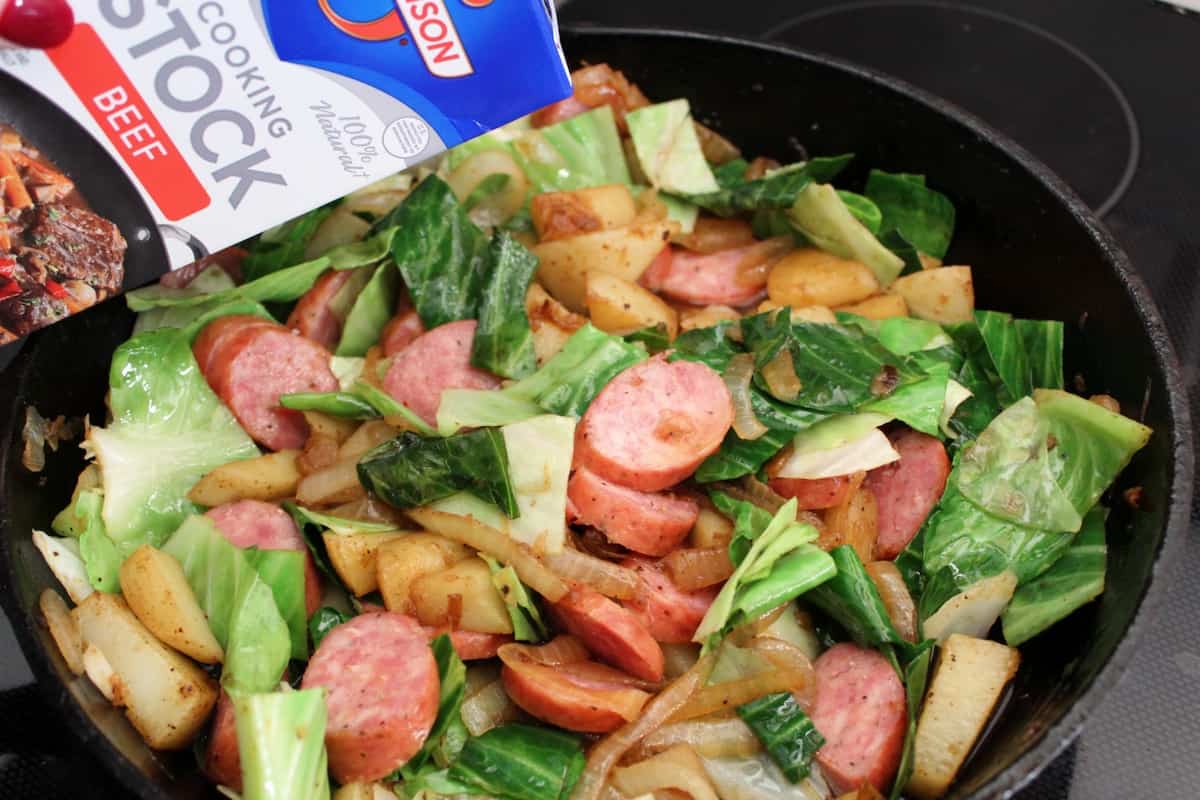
<point x="1127" y="171"/>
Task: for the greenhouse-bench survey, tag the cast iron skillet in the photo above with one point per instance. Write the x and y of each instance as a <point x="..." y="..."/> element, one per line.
<point x="1036" y="250"/>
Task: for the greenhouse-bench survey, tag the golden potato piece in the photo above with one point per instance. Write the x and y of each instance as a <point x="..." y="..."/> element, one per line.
<point x="881" y="306"/>
<point x="942" y="294"/>
<point x="706" y="317"/>
<point x="272" y="476"/>
<point x="971" y="675"/>
<point x="620" y="306"/>
<point x="355" y="558"/>
<point x="399" y="563"/>
<point x="478" y="607"/>
<point x="625" y="252"/>
<point x="812" y="277"/>
<point x="63" y="629"/>
<point x="559" y="215"/>
<point x="167" y="698"/>
<point x="712" y="529"/>
<point x="158" y="593"/>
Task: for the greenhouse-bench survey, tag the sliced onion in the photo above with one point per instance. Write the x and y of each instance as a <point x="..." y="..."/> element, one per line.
<point x="781" y="378"/>
<point x="679" y="658"/>
<point x="332" y="485"/>
<point x="896" y="598"/>
<point x="368" y="509"/>
<point x="487" y="708"/>
<point x="737" y="377"/>
<point x="753" y="491"/>
<point x="723" y="697"/>
<point x="561" y="650"/>
<point x="716" y="148"/>
<point x="756" y="265"/>
<point x="677" y="769"/>
<point x="693" y="568"/>
<point x="605" y="754"/>
<point x="498" y="545"/>
<point x="786" y="657"/>
<point x="718" y="737"/>
<point x="369" y="434"/>
<point x="339" y="228"/>
<point x="607" y="578"/>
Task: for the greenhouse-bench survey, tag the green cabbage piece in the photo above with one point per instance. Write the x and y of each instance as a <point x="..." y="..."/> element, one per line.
<point x="668" y="150"/>
<point x="281" y="742"/>
<point x="582" y="151"/>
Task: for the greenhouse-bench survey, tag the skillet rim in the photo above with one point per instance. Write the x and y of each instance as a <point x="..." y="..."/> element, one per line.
<point x="1054" y="738"/>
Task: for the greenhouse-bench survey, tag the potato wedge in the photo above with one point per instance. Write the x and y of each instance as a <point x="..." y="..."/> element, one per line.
<point x="712" y="529"/>
<point x="166" y="697"/>
<point x="371" y="433"/>
<point x="881" y="306"/>
<point x="551" y="322"/>
<point x="330" y="486"/>
<point x="559" y="215"/>
<point x="63" y="629"/>
<point x="812" y="277"/>
<point x="355" y="558"/>
<point x="854" y="522"/>
<point x="101" y="674"/>
<point x="942" y="294"/>
<point x="158" y="593"/>
<point x="973" y="611"/>
<point x="478" y="607"/>
<point x="272" y="476"/>
<point x="706" y="317"/>
<point x="624" y="252"/>
<point x="335" y="427"/>
<point x="620" y="306"/>
<point x="399" y="563"/>
<point x="822" y="314"/>
<point x="970" y="677"/>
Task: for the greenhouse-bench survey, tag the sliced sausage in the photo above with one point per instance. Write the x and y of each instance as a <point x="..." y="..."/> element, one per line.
<point x="582" y="696"/>
<point x="436" y="361"/>
<point x="222" y="762"/>
<point x="860" y="710"/>
<point x="816" y="492"/>
<point x="258" y="363"/>
<point x="705" y="278"/>
<point x="653" y="424"/>
<point x="907" y="490"/>
<point x="612" y="633"/>
<point x="217" y="334"/>
<point x="381" y="683"/>
<point x="469" y="645"/>
<point x="253" y="523"/>
<point x="670" y="614"/>
<point x="649" y="523"/>
<point x="401" y="331"/>
<point x="314" y="316"/>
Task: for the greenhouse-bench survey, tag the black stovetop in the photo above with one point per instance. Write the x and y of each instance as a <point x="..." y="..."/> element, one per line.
<point x="1106" y="94"/>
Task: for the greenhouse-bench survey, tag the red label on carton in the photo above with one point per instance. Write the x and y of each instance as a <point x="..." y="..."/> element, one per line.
<point x="135" y="133"/>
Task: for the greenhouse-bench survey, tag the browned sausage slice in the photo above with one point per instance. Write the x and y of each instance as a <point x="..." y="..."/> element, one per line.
<point x="253" y="523"/>
<point x="257" y="364"/>
<point x="707" y="278"/>
<point x="653" y="424"/>
<point x="583" y="696"/>
<point x="670" y="614"/>
<point x="382" y="693"/>
<point x="815" y="493"/>
<point x="222" y="762"/>
<point x="434" y="362"/>
<point x="907" y="490"/>
<point x="651" y="524"/>
<point x="610" y="632"/>
<point x="314" y="316"/>
<point x="401" y="331"/>
<point x="860" y="710"/>
<point x="217" y="334"/>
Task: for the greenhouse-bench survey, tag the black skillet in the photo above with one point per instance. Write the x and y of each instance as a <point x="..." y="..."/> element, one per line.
<point x="1036" y="251"/>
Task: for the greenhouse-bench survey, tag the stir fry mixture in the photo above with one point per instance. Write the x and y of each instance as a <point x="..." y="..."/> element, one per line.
<point x="591" y="462"/>
<point x="57" y="257"/>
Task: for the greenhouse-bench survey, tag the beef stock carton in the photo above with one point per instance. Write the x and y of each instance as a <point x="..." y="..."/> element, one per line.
<point x="165" y="130"/>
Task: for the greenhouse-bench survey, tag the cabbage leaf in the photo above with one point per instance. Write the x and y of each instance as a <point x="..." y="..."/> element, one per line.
<point x="281" y="742"/>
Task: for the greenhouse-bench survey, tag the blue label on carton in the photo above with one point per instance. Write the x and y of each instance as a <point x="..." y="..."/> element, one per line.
<point x="459" y="64"/>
